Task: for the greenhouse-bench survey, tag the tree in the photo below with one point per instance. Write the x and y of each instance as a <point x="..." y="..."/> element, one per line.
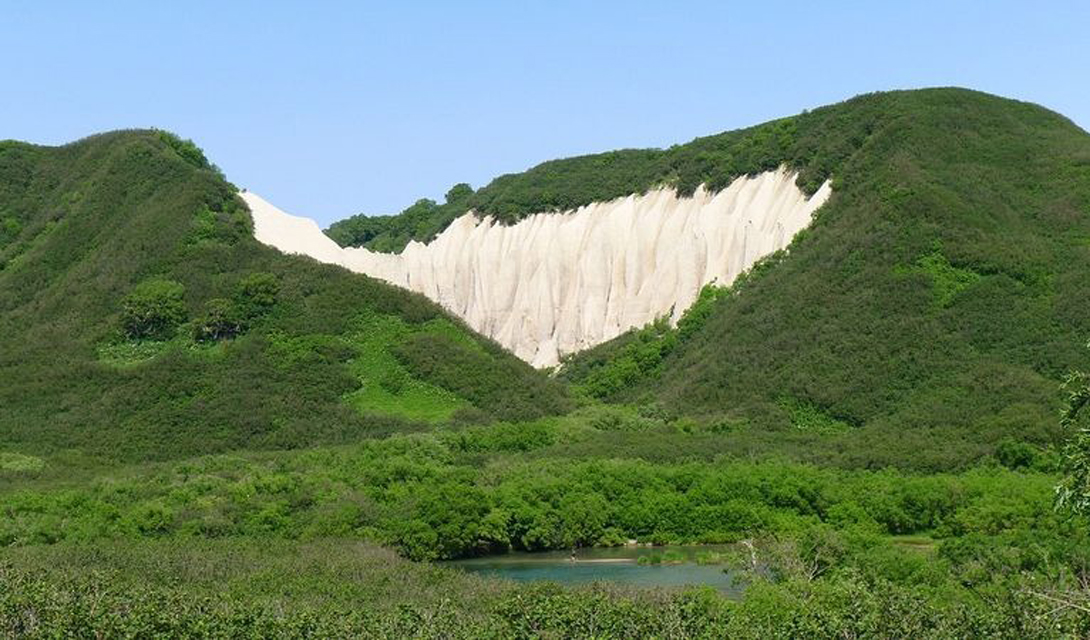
<point x="153" y="310"/>
<point x="256" y="294"/>
<point x="219" y="322"/>
<point x="458" y="193"/>
<point x="1073" y="492"/>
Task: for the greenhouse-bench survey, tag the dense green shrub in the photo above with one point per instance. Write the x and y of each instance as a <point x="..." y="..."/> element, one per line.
<point x="256" y="294"/>
<point x="222" y="590"/>
<point x="132" y="233"/>
<point x="934" y="293"/>
<point x="153" y="310"/>
<point x="509" y="389"/>
<point x="221" y="319"/>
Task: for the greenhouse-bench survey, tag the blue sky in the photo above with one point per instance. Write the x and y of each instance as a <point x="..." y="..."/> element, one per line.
<point x="335" y="108"/>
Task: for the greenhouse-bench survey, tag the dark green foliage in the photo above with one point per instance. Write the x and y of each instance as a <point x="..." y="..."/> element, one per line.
<point x="220" y="320"/>
<point x="153" y="310"/>
<point x="187" y="149"/>
<point x="255" y="295"/>
<point x="422" y="221"/>
<point x="1015" y="455"/>
<point x="934" y="298"/>
<point x="95" y="219"/>
<point x="812" y="143"/>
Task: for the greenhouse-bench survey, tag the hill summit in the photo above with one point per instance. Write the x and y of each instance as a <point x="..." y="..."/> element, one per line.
<point x="140" y="319"/>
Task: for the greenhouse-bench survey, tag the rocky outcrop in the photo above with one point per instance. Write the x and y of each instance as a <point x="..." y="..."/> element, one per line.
<point x="557" y="283"/>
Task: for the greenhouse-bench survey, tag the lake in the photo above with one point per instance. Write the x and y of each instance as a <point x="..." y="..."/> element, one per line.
<point x="619" y="565"/>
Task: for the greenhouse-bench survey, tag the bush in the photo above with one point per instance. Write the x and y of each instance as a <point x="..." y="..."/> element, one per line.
<point x="1015" y="455"/>
<point x="153" y="310"/>
<point x="256" y="294"/>
<point x="221" y="320"/>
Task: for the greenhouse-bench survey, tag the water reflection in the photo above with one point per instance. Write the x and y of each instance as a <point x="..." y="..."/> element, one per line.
<point x="670" y="566"/>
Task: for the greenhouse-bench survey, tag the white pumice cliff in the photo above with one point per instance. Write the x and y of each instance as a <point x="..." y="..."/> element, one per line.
<point x="557" y="283"/>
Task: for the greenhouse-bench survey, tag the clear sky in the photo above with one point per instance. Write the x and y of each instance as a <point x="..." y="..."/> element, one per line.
<point x="333" y="108"/>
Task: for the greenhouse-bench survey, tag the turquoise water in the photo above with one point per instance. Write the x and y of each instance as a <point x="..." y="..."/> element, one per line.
<point x="618" y="565"/>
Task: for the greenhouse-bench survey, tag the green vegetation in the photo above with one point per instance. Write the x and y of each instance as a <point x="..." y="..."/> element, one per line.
<point x="386" y="385"/>
<point x="812" y="143"/>
<point x="1073" y="493"/>
<point x="140" y="320"/>
<point x="19" y="463"/>
<point x="426" y="495"/>
<point x="933" y="300"/>
<point x="202" y="437"/>
<point x="271" y="541"/>
<point x="807" y="417"/>
<point x="153" y="310"/>
<point x="946" y="279"/>
<point x="422" y="221"/>
<point x="234" y="588"/>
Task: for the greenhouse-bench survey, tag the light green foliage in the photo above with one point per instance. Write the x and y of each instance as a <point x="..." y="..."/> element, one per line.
<point x="1073" y="493"/>
<point x="386" y="386"/>
<point x="154" y="309"/>
<point x="946" y="279"/>
<point x="640" y="356"/>
<point x="20" y="463"/>
<point x="131" y="352"/>
<point x="806" y="416"/>
<point x="426" y="495"/>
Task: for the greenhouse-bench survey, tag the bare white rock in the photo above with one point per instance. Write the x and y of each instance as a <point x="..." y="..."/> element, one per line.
<point x="556" y="283"/>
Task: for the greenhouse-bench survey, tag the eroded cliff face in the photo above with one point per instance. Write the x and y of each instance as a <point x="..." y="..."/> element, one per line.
<point x="557" y="283"/>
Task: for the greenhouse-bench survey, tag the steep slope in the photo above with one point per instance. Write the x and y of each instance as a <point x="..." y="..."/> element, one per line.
<point x="140" y="319"/>
<point x="939" y="296"/>
<point x="553" y="284"/>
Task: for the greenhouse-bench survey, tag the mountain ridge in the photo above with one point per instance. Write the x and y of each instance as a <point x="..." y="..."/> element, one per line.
<point x="95" y="219"/>
<point x="552" y="284"/>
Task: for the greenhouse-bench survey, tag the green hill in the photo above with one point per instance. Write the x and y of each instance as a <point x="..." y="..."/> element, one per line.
<point x="937" y="300"/>
<point x="934" y="303"/>
<point x="230" y="398"/>
<point x="140" y="319"/>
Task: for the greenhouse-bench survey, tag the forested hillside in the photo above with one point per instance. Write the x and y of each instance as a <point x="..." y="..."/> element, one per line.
<point x="936" y="300"/>
<point x="867" y="425"/>
<point x="934" y="303"/>
<point x="140" y="319"/>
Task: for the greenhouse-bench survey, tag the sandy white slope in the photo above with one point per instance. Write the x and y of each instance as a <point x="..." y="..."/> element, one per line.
<point x="556" y="283"/>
